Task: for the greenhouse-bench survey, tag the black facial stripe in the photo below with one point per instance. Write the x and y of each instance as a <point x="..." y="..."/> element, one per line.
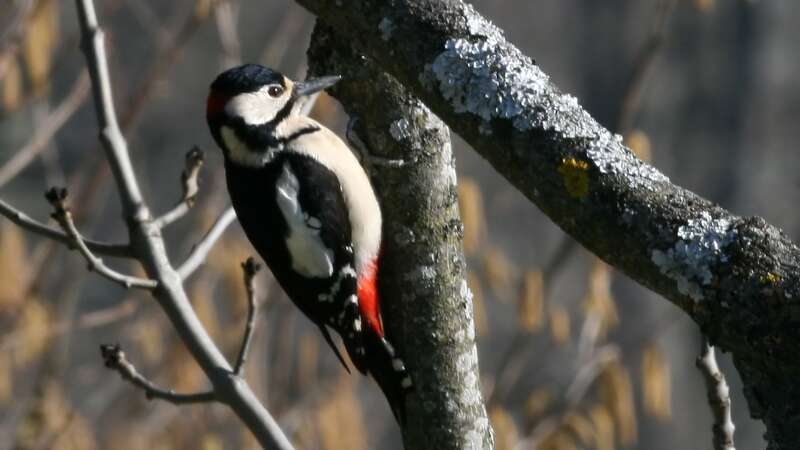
<point x="282" y="114"/>
<point x="297" y="134"/>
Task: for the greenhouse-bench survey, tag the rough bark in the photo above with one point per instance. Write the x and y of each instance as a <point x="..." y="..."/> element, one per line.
<point x="737" y="277"/>
<point x="426" y="302"/>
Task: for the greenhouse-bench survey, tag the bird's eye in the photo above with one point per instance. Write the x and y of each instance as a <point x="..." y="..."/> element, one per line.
<point x="275" y="91"/>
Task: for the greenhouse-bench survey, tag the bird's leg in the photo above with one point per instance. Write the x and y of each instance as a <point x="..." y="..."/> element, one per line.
<point x="367" y="157"/>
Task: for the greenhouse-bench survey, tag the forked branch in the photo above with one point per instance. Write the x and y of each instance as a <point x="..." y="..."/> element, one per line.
<point x="57" y="198"/>
<point x="114" y="358"/>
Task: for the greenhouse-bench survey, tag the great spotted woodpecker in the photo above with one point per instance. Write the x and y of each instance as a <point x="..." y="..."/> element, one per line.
<point x="308" y="208"/>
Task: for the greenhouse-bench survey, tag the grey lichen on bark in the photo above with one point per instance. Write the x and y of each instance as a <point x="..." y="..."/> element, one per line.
<point x="425" y="299"/>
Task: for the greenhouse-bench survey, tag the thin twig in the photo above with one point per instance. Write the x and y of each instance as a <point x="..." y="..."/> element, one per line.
<point x="57" y="198"/>
<point x="116" y="148"/>
<point x="114" y="358"/>
<point x="201" y="250"/>
<point x="33" y="225"/>
<point x="49" y="127"/>
<point x="194" y="162"/>
<point x="719" y="398"/>
<point x="645" y="58"/>
<point x="250" y="269"/>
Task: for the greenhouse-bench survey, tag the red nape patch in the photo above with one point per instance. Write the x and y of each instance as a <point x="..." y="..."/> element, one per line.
<point x="368" y="302"/>
<point x="215" y="103"/>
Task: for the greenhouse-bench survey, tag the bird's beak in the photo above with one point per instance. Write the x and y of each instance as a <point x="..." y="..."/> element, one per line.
<point x="308" y="87"/>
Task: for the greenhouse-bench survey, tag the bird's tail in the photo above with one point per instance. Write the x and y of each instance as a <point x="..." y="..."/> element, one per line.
<point x="389" y="372"/>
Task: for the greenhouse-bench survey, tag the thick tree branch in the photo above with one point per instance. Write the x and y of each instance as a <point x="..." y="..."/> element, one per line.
<point x="202" y="248"/>
<point x="425" y="299"/>
<point x="190" y="185"/>
<point x="249" y="268"/>
<point x="737" y="277"/>
<point x="33" y="225"/>
<point x="114" y="358"/>
<point x="719" y="398"/>
<point x="57" y="198"/>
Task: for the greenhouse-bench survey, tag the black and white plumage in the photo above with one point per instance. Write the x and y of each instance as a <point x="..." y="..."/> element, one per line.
<point x="308" y="208"/>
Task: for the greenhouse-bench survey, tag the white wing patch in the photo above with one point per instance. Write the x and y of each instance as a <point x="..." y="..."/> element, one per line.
<point x="310" y="257"/>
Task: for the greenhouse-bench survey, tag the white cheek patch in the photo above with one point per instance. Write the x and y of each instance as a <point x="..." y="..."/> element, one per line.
<point x="310" y="257"/>
<point x="255" y="108"/>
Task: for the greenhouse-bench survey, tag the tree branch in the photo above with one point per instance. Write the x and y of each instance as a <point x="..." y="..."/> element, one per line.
<point x="250" y="268"/>
<point x="148" y="245"/>
<point x="201" y="250"/>
<point x="33" y="225"/>
<point x="114" y="358"/>
<point x="49" y="126"/>
<point x="189" y="182"/>
<point x="425" y="300"/>
<point x="737" y="277"/>
<point x="719" y="398"/>
<point x="57" y="198"/>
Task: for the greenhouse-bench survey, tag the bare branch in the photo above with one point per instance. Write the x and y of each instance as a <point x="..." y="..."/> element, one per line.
<point x="150" y="249"/>
<point x="110" y="135"/>
<point x="201" y="250"/>
<point x="114" y="358"/>
<point x="50" y="125"/>
<point x="250" y="269"/>
<point x="189" y="176"/>
<point x="33" y="225"/>
<point x="719" y="398"/>
<point x="62" y="215"/>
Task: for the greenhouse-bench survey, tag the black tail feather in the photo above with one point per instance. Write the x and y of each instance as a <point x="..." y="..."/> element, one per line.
<point x="389" y="372"/>
<point x="327" y="335"/>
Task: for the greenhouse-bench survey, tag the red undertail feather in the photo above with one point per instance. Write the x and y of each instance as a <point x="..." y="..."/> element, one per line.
<point x="368" y="301"/>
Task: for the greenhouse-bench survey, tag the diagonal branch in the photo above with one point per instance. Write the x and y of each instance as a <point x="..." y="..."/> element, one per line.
<point x="250" y="269"/>
<point x="62" y="215"/>
<point x="50" y="126"/>
<point x="202" y="248"/>
<point x="114" y="358"/>
<point x="189" y="182"/>
<point x="33" y="225"/>
<point x="737" y="277"/>
<point x="719" y="398"/>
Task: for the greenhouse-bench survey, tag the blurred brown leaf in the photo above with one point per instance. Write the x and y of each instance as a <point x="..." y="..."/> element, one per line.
<point x="500" y="272"/>
<point x="470" y="202"/>
<point x="40" y="39"/>
<point x="506" y="434"/>
<point x="559" y="324"/>
<point x="531" y="302"/>
<point x="656" y="383"/>
<point x="13" y="271"/>
<point x="31" y="328"/>
<point x="603" y="427"/>
<point x="12" y="87"/>
<point x="616" y="391"/>
<point x="639" y="143"/>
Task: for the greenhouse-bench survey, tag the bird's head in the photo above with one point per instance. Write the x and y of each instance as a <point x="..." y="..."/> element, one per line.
<point x="251" y="100"/>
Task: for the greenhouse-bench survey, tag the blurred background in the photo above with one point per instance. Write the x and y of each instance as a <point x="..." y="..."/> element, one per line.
<point x="573" y="354"/>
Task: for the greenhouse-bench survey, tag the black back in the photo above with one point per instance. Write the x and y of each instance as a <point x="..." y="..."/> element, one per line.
<point x="253" y="193"/>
